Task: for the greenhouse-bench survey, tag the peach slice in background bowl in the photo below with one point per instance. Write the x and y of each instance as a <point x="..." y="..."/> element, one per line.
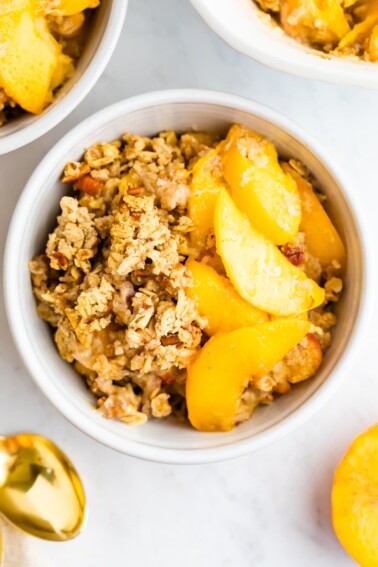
<point x="167" y="440"/>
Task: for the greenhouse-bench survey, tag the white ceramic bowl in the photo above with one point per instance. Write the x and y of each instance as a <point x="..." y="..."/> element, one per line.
<point x="245" y="28"/>
<point x="35" y="214"/>
<point x="106" y="27"/>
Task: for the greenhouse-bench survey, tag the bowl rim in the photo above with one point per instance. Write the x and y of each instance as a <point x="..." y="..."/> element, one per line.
<point x="47" y="121"/>
<point x="310" y="67"/>
<point x="24" y="342"/>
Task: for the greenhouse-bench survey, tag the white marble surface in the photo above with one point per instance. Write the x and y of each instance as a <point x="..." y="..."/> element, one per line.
<point x="270" y="508"/>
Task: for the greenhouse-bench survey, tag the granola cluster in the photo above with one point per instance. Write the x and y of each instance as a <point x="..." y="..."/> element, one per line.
<point x="112" y="281"/>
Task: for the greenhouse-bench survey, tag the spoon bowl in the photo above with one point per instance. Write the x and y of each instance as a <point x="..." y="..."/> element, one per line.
<point x="40" y="491"/>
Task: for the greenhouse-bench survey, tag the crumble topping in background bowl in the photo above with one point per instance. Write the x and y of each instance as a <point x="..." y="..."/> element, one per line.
<point x="340" y="27"/>
<point x="132" y="313"/>
<point x="41" y="44"/>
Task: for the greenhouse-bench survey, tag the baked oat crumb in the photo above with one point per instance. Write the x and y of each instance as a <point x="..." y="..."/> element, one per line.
<point x="75" y="239"/>
<point x="160" y="406"/>
<point x="112" y="281"/>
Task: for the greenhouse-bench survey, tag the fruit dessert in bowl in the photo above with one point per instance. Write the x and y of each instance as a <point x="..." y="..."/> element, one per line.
<point x="52" y="52"/>
<point x="342" y="27"/>
<point x="189" y="271"/>
<point x="193" y="280"/>
<point x="331" y="40"/>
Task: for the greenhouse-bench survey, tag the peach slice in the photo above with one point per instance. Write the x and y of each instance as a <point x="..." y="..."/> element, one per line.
<point x="259" y="271"/>
<point x="373" y="45"/>
<point x="323" y="23"/>
<point x="71" y="7"/>
<point x="225" y="365"/>
<point x="63" y="71"/>
<point x="365" y="32"/>
<point x="322" y="238"/>
<point x="365" y="8"/>
<point x="355" y="497"/>
<point x="219" y="302"/>
<point x="207" y="181"/>
<point x="258" y="185"/>
<point x="28" y="56"/>
<point x="360" y="33"/>
<point x="13" y="6"/>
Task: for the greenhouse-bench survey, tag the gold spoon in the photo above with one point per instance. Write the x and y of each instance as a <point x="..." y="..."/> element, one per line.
<point x="40" y="491"/>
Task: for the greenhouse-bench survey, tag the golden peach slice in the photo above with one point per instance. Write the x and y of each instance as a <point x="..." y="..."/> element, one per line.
<point x="13" y="6"/>
<point x="321" y="23"/>
<point x="226" y="364"/>
<point x="373" y="45"/>
<point x="355" y="497"/>
<point x="322" y="238"/>
<point x="28" y="58"/>
<point x="258" y="185"/>
<point x="219" y="302"/>
<point x="362" y="9"/>
<point x="360" y="33"/>
<point x="63" y="71"/>
<point x="259" y="271"/>
<point x="71" y="7"/>
<point x="207" y="181"/>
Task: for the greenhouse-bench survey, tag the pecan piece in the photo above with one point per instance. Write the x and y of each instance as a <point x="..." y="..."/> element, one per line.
<point x="135" y="190"/>
<point x="295" y="254"/>
<point x="170" y="340"/>
<point x="74" y="170"/>
<point x="89" y="185"/>
<point x="61" y="262"/>
<point x="142" y="273"/>
<point x="168" y="378"/>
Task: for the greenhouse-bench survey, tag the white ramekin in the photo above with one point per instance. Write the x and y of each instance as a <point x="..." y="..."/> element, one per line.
<point x="246" y="28"/>
<point x="105" y="30"/>
<point x="35" y="215"/>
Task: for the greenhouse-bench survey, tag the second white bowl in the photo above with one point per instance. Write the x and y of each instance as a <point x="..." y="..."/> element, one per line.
<point x="35" y="215"/>
<point x="246" y="28"/>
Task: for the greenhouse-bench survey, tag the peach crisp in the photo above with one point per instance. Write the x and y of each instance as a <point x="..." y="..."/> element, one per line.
<point x="190" y="275"/>
<point x="40" y="42"/>
<point x="341" y="27"/>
